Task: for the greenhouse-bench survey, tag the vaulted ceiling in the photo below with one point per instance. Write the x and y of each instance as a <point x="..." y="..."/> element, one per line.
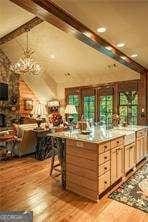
<point x="126" y="21"/>
<point x="11" y="17"/>
<point x="73" y="63"/>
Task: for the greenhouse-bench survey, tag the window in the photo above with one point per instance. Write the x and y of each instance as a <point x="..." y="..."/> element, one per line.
<point x="74" y="100"/>
<point x="128" y="108"/>
<point x="89" y="107"/>
<point x="106" y="109"/>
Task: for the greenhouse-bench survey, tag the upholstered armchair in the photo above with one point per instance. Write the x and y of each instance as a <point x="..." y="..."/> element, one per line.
<point x="25" y="140"/>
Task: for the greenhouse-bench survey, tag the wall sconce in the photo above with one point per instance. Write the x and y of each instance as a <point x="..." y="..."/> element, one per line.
<point x="142" y="112"/>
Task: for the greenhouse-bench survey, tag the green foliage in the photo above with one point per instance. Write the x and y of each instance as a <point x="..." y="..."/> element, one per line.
<point x="128" y="109"/>
<point x="74" y="100"/>
<point x="89" y="107"/>
<point x="106" y="108"/>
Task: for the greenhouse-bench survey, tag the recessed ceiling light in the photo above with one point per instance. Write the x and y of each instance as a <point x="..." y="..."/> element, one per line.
<point x="120" y="45"/>
<point x="101" y="29"/>
<point x="123" y="57"/>
<point x="134" y="55"/>
<point x="109" y="48"/>
<point x="52" y="56"/>
<point x="88" y="34"/>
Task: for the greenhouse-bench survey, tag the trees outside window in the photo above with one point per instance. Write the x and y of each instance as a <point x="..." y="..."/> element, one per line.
<point x="106" y="109"/>
<point x="74" y="100"/>
<point x="128" y="108"/>
<point x="89" y="107"/>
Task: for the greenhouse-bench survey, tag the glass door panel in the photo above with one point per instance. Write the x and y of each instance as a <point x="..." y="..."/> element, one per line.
<point x="74" y="100"/>
<point x="106" y="109"/>
<point x="128" y="109"/>
<point x="89" y="107"/>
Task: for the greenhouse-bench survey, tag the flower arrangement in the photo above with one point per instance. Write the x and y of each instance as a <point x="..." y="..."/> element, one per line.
<point x="55" y="118"/>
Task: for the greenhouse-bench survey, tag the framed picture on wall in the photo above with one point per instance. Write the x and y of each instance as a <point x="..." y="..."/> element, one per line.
<point x="28" y="104"/>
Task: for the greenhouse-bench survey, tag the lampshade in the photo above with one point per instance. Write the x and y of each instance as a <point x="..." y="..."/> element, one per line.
<point x="39" y="110"/>
<point x="70" y="109"/>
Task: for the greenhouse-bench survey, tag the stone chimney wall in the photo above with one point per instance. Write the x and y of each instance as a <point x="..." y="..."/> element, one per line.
<point x="11" y="107"/>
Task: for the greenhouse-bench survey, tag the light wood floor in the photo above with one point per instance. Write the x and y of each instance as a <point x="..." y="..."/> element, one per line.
<point x="25" y="184"/>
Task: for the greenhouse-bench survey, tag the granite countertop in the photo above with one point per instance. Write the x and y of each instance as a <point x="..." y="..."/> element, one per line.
<point x="98" y="134"/>
<point x="95" y="136"/>
<point x="131" y="128"/>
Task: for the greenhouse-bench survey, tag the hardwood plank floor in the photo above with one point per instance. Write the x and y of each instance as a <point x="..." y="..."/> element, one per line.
<point x="26" y="185"/>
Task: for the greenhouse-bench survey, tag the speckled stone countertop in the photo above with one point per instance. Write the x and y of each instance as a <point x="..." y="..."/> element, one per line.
<point x="131" y="128"/>
<point x="98" y="134"/>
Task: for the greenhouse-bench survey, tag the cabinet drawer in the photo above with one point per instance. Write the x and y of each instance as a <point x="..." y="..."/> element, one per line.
<point x="80" y="144"/>
<point x="117" y="142"/>
<point x="130" y="146"/>
<point x="141" y="133"/>
<point x="104" y="182"/>
<point x="104" y="157"/>
<point x="104" y="168"/>
<point x="104" y="147"/>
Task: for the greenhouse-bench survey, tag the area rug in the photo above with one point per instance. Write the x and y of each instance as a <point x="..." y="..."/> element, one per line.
<point x="134" y="192"/>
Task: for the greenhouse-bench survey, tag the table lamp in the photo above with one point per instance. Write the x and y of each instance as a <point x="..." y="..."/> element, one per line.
<point x="70" y="110"/>
<point x="39" y="112"/>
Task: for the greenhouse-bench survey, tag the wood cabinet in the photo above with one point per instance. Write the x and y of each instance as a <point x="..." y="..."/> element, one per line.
<point x="129" y="157"/>
<point x="141" y="145"/>
<point x="116" y="163"/>
<point x="82" y="168"/>
<point x="91" y="168"/>
<point x="103" y="166"/>
<point x="104" y="182"/>
<point x="139" y="148"/>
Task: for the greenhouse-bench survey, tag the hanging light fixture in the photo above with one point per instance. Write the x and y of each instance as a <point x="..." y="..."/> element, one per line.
<point x="26" y="64"/>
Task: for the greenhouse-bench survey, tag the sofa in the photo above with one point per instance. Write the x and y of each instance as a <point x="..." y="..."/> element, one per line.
<point x="25" y="139"/>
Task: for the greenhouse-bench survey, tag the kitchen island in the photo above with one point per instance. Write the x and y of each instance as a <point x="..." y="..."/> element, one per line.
<point x="94" y="163"/>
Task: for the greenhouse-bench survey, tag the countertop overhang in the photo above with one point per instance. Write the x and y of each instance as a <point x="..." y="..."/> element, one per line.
<point x="99" y="134"/>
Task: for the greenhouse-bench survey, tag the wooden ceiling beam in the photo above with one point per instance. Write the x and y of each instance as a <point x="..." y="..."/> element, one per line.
<point x="20" y="30"/>
<point x="52" y="13"/>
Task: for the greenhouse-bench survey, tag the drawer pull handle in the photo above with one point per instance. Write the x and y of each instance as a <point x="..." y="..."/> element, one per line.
<point x="105" y="182"/>
<point x="105" y="168"/>
<point x="105" y="147"/>
<point x="105" y="157"/>
<point x="117" y="141"/>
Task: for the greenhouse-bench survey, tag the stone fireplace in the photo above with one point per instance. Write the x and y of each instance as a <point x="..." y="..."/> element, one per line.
<point x="9" y="110"/>
<point x="2" y="120"/>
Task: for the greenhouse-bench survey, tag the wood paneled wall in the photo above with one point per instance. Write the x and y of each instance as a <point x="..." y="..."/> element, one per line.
<point x="25" y="93"/>
<point x="147" y="98"/>
<point x="143" y="99"/>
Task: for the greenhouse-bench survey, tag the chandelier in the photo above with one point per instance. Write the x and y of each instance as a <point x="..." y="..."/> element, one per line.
<point x="26" y="64"/>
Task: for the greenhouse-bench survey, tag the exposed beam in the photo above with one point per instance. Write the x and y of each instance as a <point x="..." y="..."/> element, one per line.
<point x="52" y="13"/>
<point x="20" y="30"/>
